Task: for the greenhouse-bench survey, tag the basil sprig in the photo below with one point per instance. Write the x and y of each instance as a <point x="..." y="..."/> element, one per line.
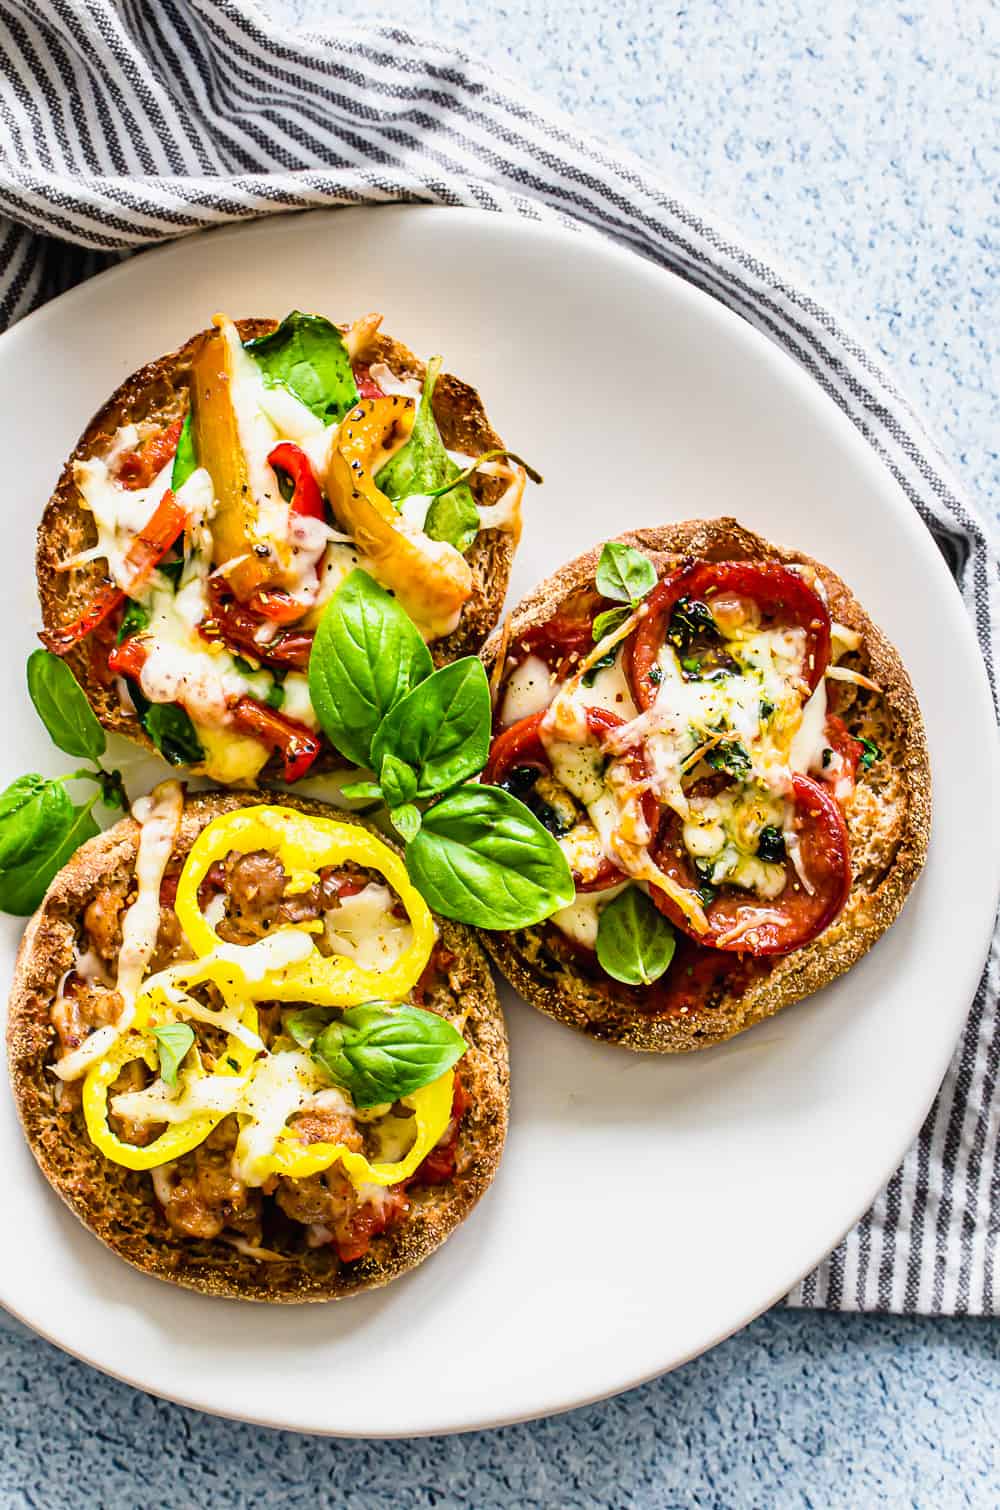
<point x="40" y="825"/>
<point x="379" y="1051"/>
<point x="173" y="1039"/>
<point x="423" y="466"/>
<point x="308" y="356"/>
<point x="477" y="853"/>
<point x="623" y="574"/>
<point x="635" y="943"/>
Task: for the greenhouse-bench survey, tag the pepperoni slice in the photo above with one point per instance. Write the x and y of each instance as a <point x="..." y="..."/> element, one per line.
<point x="793" y="918"/>
<point x="781" y="595"/>
<point x="520" y="747"/>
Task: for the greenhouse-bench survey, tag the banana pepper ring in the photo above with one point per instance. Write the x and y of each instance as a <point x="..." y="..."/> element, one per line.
<point x="176" y="1139"/>
<point x="431" y="1112"/>
<point x="307" y="844"/>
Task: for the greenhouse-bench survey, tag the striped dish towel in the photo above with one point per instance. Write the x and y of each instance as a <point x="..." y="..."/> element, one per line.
<point x="124" y="124"/>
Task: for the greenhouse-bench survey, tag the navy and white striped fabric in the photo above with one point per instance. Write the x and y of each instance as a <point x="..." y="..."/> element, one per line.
<point x="124" y="123"/>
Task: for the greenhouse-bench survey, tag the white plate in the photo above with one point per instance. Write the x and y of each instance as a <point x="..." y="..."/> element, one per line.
<point x="645" y="1207"/>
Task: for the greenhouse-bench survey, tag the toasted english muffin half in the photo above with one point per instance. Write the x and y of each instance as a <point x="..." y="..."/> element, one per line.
<point x="887" y="819"/>
<point x="120" y="1205"/>
<point x="158" y="395"/>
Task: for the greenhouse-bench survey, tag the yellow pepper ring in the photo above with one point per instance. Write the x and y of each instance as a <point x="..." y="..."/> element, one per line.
<point x="432" y="1113"/>
<point x="305" y="843"/>
<point x="175" y="1140"/>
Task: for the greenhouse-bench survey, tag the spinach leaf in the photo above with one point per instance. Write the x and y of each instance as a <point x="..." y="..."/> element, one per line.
<point x="380" y="1051"/>
<point x="611" y="618"/>
<point x="173" y="733"/>
<point x="482" y="858"/>
<point x="441" y="729"/>
<point x="173" y="1039"/>
<point x="185" y="459"/>
<point x="366" y="656"/>
<point x="23" y="886"/>
<point x="62" y="705"/>
<point x="34" y="814"/>
<point x="422" y="465"/>
<point x="134" y="618"/>
<point x="635" y="943"/>
<point x="307" y="355"/>
<point x="624" y="574"/>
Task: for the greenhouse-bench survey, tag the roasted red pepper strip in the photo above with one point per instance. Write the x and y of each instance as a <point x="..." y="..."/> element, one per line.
<point x="275" y="604"/>
<point x="137" y="469"/>
<point x="145" y="553"/>
<point x="306" y="498"/>
<point x="237" y="626"/>
<point x="297" y="745"/>
<point x="128" y="658"/>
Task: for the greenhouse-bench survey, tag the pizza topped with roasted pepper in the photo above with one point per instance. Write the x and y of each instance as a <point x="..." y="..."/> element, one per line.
<point x="187" y="557"/>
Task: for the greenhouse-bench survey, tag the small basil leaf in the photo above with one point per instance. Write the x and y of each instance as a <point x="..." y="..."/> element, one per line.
<point x="185" y="459"/>
<point x="307" y="355"/>
<point x="483" y="858"/>
<point x="870" y="752"/>
<point x="635" y="943"/>
<point x="173" y="733"/>
<point x="624" y="574"/>
<point x="406" y="820"/>
<point x="23" y="886"/>
<point x="367" y="654"/>
<point x="441" y="728"/>
<point x="611" y="618"/>
<point x="398" y="781"/>
<point x="307" y="1025"/>
<point x="380" y="1052"/>
<point x="173" y="1040"/>
<point x="62" y="705"/>
<point x="422" y="465"/>
<point x="361" y="791"/>
<point x="33" y="814"/>
<point x="134" y="618"/>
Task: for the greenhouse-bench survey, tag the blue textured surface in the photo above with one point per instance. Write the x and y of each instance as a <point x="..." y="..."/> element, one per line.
<point x="858" y="144"/>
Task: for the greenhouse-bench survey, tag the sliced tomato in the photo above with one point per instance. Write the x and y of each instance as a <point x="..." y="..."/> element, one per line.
<point x="793" y="918"/>
<point x="237" y="626"/>
<point x="297" y="745"/>
<point x="783" y="598"/>
<point x="137" y="469"/>
<point x="567" y="637"/>
<point x="521" y="747"/>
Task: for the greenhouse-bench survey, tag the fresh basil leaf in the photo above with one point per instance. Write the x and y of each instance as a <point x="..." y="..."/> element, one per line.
<point x="185" y="459"/>
<point x="366" y="656"/>
<point x="173" y="1040"/>
<point x="870" y="752"/>
<point x="441" y="728"/>
<point x="406" y="820"/>
<point x="624" y="574"/>
<point x="305" y="1026"/>
<point x="62" y="705"/>
<point x="307" y="355"/>
<point x="482" y="858"/>
<point x="173" y="733"/>
<point x="398" y="781"/>
<point x="361" y="791"/>
<point x="422" y="465"/>
<point x="34" y="813"/>
<point x="134" y="619"/>
<point x="379" y="1052"/>
<point x="23" y="886"/>
<point x="610" y="619"/>
<point x="635" y="943"/>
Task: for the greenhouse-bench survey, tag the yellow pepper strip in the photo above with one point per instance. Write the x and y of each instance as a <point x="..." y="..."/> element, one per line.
<point x="431" y="579"/>
<point x="301" y="843"/>
<point x="431" y="1112"/>
<point x="177" y="1138"/>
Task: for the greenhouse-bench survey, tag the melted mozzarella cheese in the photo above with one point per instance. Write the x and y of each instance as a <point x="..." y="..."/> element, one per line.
<point x="579" y="921"/>
<point x="118" y="513"/>
<point x="364" y="929"/>
<point x="159" y="818"/>
<point x="809" y="741"/>
<point x="530" y="689"/>
<point x="281" y="1085"/>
